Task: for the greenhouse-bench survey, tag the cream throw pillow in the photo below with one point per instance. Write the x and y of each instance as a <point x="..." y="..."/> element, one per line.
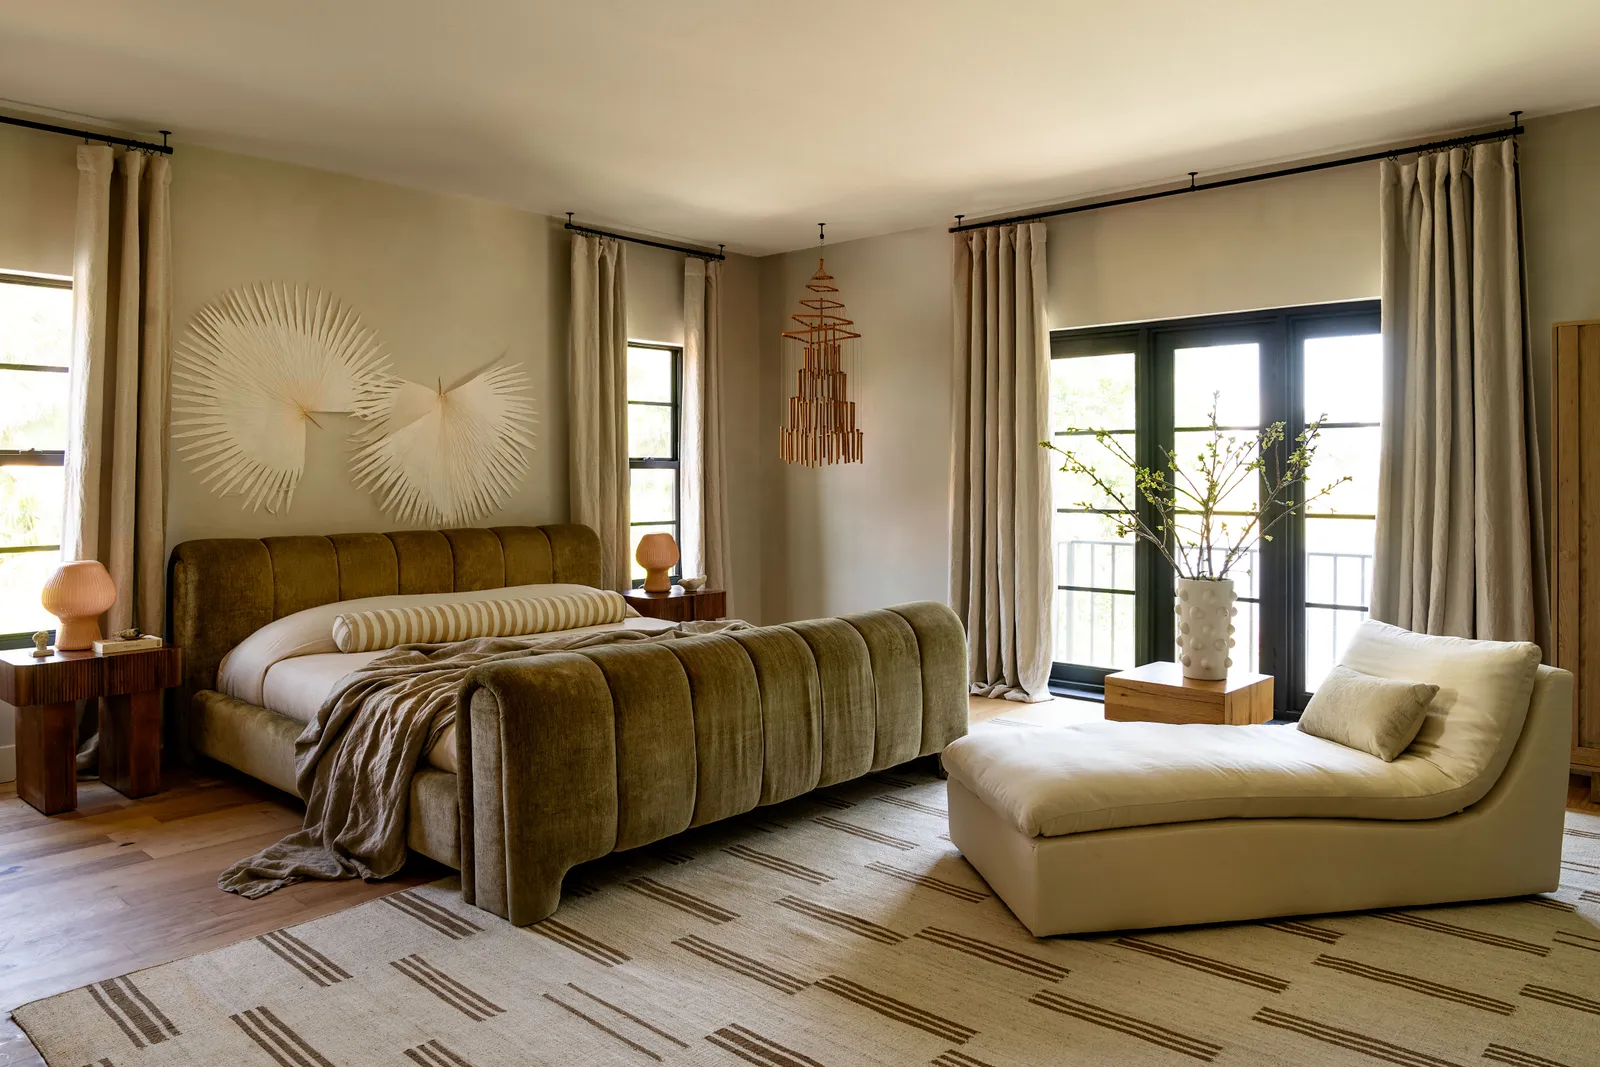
<point x="1376" y="715"/>
<point x="370" y="631"/>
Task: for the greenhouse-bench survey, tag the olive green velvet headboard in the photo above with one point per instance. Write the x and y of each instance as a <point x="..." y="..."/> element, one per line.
<point x="220" y="591"/>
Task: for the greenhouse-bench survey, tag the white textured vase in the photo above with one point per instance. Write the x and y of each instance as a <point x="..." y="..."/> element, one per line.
<point x="1205" y="627"/>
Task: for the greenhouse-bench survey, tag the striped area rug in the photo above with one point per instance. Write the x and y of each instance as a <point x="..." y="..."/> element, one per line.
<point x="843" y="930"/>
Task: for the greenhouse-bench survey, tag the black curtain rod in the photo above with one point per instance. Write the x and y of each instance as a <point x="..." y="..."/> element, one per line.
<point x="1432" y="146"/>
<point x="685" y="249"/>
<point x="89" y="135"/>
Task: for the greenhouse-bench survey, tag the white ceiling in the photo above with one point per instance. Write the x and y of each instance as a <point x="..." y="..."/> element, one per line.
<point x="745" y="122"/>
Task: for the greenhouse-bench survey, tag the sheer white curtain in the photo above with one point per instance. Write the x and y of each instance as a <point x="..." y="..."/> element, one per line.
<point x="116" y="497"/>
<point x="1461" y="545"/>
<point x="1000" y="566"/>
<point x="704" y="518"/>
<point x="598" y="400"/>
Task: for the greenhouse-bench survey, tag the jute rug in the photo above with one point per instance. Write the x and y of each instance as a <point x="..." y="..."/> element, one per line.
<point x="843" y="929"/>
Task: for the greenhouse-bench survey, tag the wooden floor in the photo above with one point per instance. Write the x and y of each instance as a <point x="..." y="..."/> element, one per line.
<point x="122" y="884"/>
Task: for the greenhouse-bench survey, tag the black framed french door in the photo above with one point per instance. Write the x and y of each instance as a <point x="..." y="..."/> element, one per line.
<point x="1151" y="387"/>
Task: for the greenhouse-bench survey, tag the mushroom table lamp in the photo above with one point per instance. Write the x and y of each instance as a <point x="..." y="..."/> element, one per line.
<point x="657" y="552"/>
<point x="77" y="594"/>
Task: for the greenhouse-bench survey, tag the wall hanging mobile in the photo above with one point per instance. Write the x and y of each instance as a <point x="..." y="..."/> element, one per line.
<point x="438" y="457"/>
<point x="821" y="420"/>
<point x="252" y="368"/>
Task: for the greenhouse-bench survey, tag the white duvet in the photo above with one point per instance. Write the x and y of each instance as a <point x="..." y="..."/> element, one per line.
<point x="291" y="665"/>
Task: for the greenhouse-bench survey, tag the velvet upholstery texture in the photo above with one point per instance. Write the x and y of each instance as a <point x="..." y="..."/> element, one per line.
<point x="224" y="589"/>
<point x="570" y="756"/>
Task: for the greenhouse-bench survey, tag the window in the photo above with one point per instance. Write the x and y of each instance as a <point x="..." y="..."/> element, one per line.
<point x="35" y="347"/>
<point x="654" y="390"/>
<point x="1302" y="594"/>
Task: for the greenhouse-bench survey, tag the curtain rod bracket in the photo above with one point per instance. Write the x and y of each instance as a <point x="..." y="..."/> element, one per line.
<point x="1192" y="175"/>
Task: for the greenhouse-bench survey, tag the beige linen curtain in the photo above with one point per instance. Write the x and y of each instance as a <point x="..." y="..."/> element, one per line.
<point x="598" y="400"/>
<point x="1000" y="565"/>
<point x="116" y="494"/>
<point x="702" y="481"/>
<point x="1460" y="540"/>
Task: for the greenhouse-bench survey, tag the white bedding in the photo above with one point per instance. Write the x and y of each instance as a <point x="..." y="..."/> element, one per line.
<point x="243" y="671"/>
<point x="290" y="666"/>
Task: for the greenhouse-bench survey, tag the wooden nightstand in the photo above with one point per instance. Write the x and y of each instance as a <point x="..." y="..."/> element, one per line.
<point x="1158" y="692"/>
<point x="679" y="605"/>
<point x="43" y="691"/>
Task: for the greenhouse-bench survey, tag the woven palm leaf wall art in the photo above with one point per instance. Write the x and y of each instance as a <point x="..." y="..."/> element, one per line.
<point x="254" y="366"/>
<point x="820" y="422"/>
<point x="439" y="457"/>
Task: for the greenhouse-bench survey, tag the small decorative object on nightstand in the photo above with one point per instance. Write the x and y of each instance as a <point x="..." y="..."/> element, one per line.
<point x="1159" y="692"/>
<point x="678" y="604"/>
<point x="44" y="692"/>
<point x="41" y="644"/>
<point x="78" y="593"/>
<point x="127" y="641"/>
<point x="657" y="552"/>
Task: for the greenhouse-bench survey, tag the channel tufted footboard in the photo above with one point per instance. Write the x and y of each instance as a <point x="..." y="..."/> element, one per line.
<point x="570" y="756"/>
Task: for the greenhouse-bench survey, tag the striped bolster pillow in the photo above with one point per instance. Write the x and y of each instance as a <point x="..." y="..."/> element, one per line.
<point x="370" y="631"/>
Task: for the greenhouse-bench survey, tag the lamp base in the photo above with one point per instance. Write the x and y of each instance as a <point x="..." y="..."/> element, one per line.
<point x="657" y="581"/>
<point x="77" y="633"/>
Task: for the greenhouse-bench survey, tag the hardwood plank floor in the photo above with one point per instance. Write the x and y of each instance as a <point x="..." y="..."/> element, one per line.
<point x="123" y="884"/>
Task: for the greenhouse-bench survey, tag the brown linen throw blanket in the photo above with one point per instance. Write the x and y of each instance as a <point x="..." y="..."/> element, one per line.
<point x="354" y="762"/>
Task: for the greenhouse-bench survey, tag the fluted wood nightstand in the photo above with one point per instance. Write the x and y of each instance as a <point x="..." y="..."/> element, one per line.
<point x="678" y="604"/>
<point x="44" y="691"/>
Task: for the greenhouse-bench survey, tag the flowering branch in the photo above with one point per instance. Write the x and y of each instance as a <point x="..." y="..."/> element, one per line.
<point x="1223" y="466"/>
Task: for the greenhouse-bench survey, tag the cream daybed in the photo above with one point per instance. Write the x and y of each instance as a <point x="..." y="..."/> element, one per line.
<point x="1109" y="826"/>
<point x="563" y="757"/>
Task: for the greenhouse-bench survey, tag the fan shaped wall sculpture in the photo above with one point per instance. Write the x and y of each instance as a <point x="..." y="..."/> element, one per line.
<point x="251" y="369"/>
<point x="438" y="457"/>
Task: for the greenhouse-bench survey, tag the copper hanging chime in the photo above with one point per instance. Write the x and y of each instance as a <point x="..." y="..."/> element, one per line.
<point x="821" y="423"/>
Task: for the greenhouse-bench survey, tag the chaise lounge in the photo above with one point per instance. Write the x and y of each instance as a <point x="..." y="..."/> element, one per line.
<point x="1111" y="826"/>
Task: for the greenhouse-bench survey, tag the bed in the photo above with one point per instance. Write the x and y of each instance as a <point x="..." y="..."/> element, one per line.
<point x="556" y="759"/>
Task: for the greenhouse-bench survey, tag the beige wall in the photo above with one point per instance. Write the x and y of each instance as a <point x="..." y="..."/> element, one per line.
<point x="848" y="538"/>
<point x="449" y="284"/>
<point x="453" y="283"/>
<point x="859" y="536"/>
<point x="839" y="540"/>
<point x="744" y="429"/>
<point x="1560" y="166"/>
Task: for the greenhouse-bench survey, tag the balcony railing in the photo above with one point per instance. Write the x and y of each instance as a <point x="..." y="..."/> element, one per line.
<point x="1092" y="566"/>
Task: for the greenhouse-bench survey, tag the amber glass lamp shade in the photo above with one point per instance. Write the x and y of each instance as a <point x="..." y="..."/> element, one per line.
<point x="77" y="594"/>
<point x="656" y="554"/>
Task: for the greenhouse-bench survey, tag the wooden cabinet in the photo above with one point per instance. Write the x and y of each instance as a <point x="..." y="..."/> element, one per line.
<point x="1575" y="513"/>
